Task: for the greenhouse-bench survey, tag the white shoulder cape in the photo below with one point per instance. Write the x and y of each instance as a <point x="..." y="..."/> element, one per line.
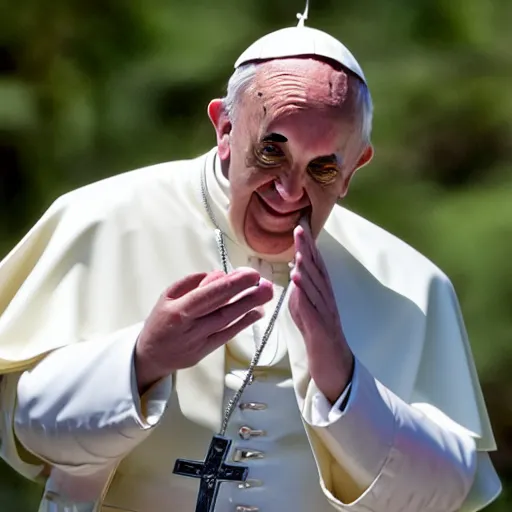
<point x="108" y="240"/>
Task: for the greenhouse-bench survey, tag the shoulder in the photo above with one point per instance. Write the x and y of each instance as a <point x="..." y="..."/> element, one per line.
<point x="107" y="195"/>
<point x="391" y="260"/>
<point x="162" y="190"/>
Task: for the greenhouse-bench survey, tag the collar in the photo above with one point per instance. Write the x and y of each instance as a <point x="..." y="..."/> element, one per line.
<point x="217" y="190"/>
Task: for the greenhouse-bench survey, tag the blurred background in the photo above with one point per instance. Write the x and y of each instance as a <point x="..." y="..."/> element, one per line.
<point x="91" y="88"/>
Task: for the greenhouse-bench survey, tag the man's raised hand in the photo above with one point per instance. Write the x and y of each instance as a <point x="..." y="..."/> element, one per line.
<point x="194" y="317"/>
<point x="314" y="310"/>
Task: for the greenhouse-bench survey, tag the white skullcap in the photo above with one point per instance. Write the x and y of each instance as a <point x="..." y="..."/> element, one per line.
<point x="300" y="41"/>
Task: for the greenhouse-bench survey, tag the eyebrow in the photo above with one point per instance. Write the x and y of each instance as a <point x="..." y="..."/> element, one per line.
<point x="274" y="137"/>
<point x="328" y="159"/>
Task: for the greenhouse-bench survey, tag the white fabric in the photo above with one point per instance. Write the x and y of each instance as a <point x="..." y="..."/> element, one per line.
<point x="286" y="443"/>
<point x="362" y="442"/>
<point x="386" y="445"/>
<point x="104" y="415"/>
<point x="87" y="275"/>
<point x="300" y="41"/>
<point x="338" y="406"/>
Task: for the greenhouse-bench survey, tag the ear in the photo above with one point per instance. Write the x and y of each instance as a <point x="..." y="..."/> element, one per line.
<point x="220" y="120"/>
<point x="364" y="159"/>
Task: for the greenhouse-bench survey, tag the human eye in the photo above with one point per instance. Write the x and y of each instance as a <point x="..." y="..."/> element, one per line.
<point x="269" y="155"/>
<point x="325" y="174"/>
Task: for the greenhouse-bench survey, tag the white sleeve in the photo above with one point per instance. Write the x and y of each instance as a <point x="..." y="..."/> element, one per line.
<point x="486" y="485"/>
<point x="406" y="458"/>
<point x="339" y="405"/>
<point x="79" y="409"/>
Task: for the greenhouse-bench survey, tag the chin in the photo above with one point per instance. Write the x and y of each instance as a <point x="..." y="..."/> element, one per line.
<point x="281" y="249"/>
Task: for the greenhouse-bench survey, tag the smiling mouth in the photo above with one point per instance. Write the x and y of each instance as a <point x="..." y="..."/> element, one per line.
<point x="276" y="213"/>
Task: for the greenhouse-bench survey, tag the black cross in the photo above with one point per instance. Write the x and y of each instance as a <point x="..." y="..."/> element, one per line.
<point x="212" y="472"/>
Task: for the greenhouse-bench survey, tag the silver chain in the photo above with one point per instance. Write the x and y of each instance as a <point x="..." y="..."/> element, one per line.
<point x="219" y="238"/>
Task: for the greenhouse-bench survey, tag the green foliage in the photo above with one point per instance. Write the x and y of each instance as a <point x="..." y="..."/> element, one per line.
<point x="90" y="89"/>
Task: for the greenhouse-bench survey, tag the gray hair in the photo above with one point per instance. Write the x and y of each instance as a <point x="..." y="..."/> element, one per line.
<point x="243" y="76"/>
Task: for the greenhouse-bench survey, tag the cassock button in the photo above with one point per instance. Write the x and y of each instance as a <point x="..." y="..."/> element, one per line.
<point x="247" y="433"/>
<point x="250" y="484"/>
<point x="252" y="406"/>
<point x="241" y="455"/>
<point x="245" y="508"/>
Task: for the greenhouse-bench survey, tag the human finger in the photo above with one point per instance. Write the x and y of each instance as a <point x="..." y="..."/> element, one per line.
<point x="293" y="307"/>
<point x="303" y="241"/>
<point x="206" y="299"/>
<point x="319" y="260"/>
<point x="184" y="285"/>
<point x="220" y="338"/>
<point x="211" y="277"/>
<point x="306" y="244"/>
<point x="318" y="273"/>
<point x="218" y="274"/>
<point x="303" y="280"/>
<point x="309" y="316"/>
<point x="308" y="260"/>
<point x="226" y="315"/>
<point x="309" y="239"/>
<point x="315" y="253"/>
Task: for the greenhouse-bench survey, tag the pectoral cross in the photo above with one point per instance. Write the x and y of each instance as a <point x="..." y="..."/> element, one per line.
<point x="212" y="472"/>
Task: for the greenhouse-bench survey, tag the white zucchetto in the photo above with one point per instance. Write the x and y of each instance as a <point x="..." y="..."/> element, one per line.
<point x="300" y="41"/>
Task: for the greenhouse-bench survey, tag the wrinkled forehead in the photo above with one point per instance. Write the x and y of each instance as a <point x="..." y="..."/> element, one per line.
<point x="298" y="87"/>
<point x="290" y="84"/>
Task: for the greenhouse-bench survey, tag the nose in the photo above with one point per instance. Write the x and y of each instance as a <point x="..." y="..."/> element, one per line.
<point x="290" y="187"/>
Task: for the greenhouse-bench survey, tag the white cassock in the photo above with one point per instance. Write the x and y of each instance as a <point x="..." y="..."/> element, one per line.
<point x="413" y="436"/>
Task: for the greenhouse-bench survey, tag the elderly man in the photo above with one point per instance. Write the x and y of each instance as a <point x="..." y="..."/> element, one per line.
<point x="299" y="356"/>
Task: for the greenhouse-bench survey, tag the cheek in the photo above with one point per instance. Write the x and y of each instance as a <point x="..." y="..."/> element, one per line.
<point x="327" y="194"/>
<point x="243" y="184"/>
<point x="246" y="180"/>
